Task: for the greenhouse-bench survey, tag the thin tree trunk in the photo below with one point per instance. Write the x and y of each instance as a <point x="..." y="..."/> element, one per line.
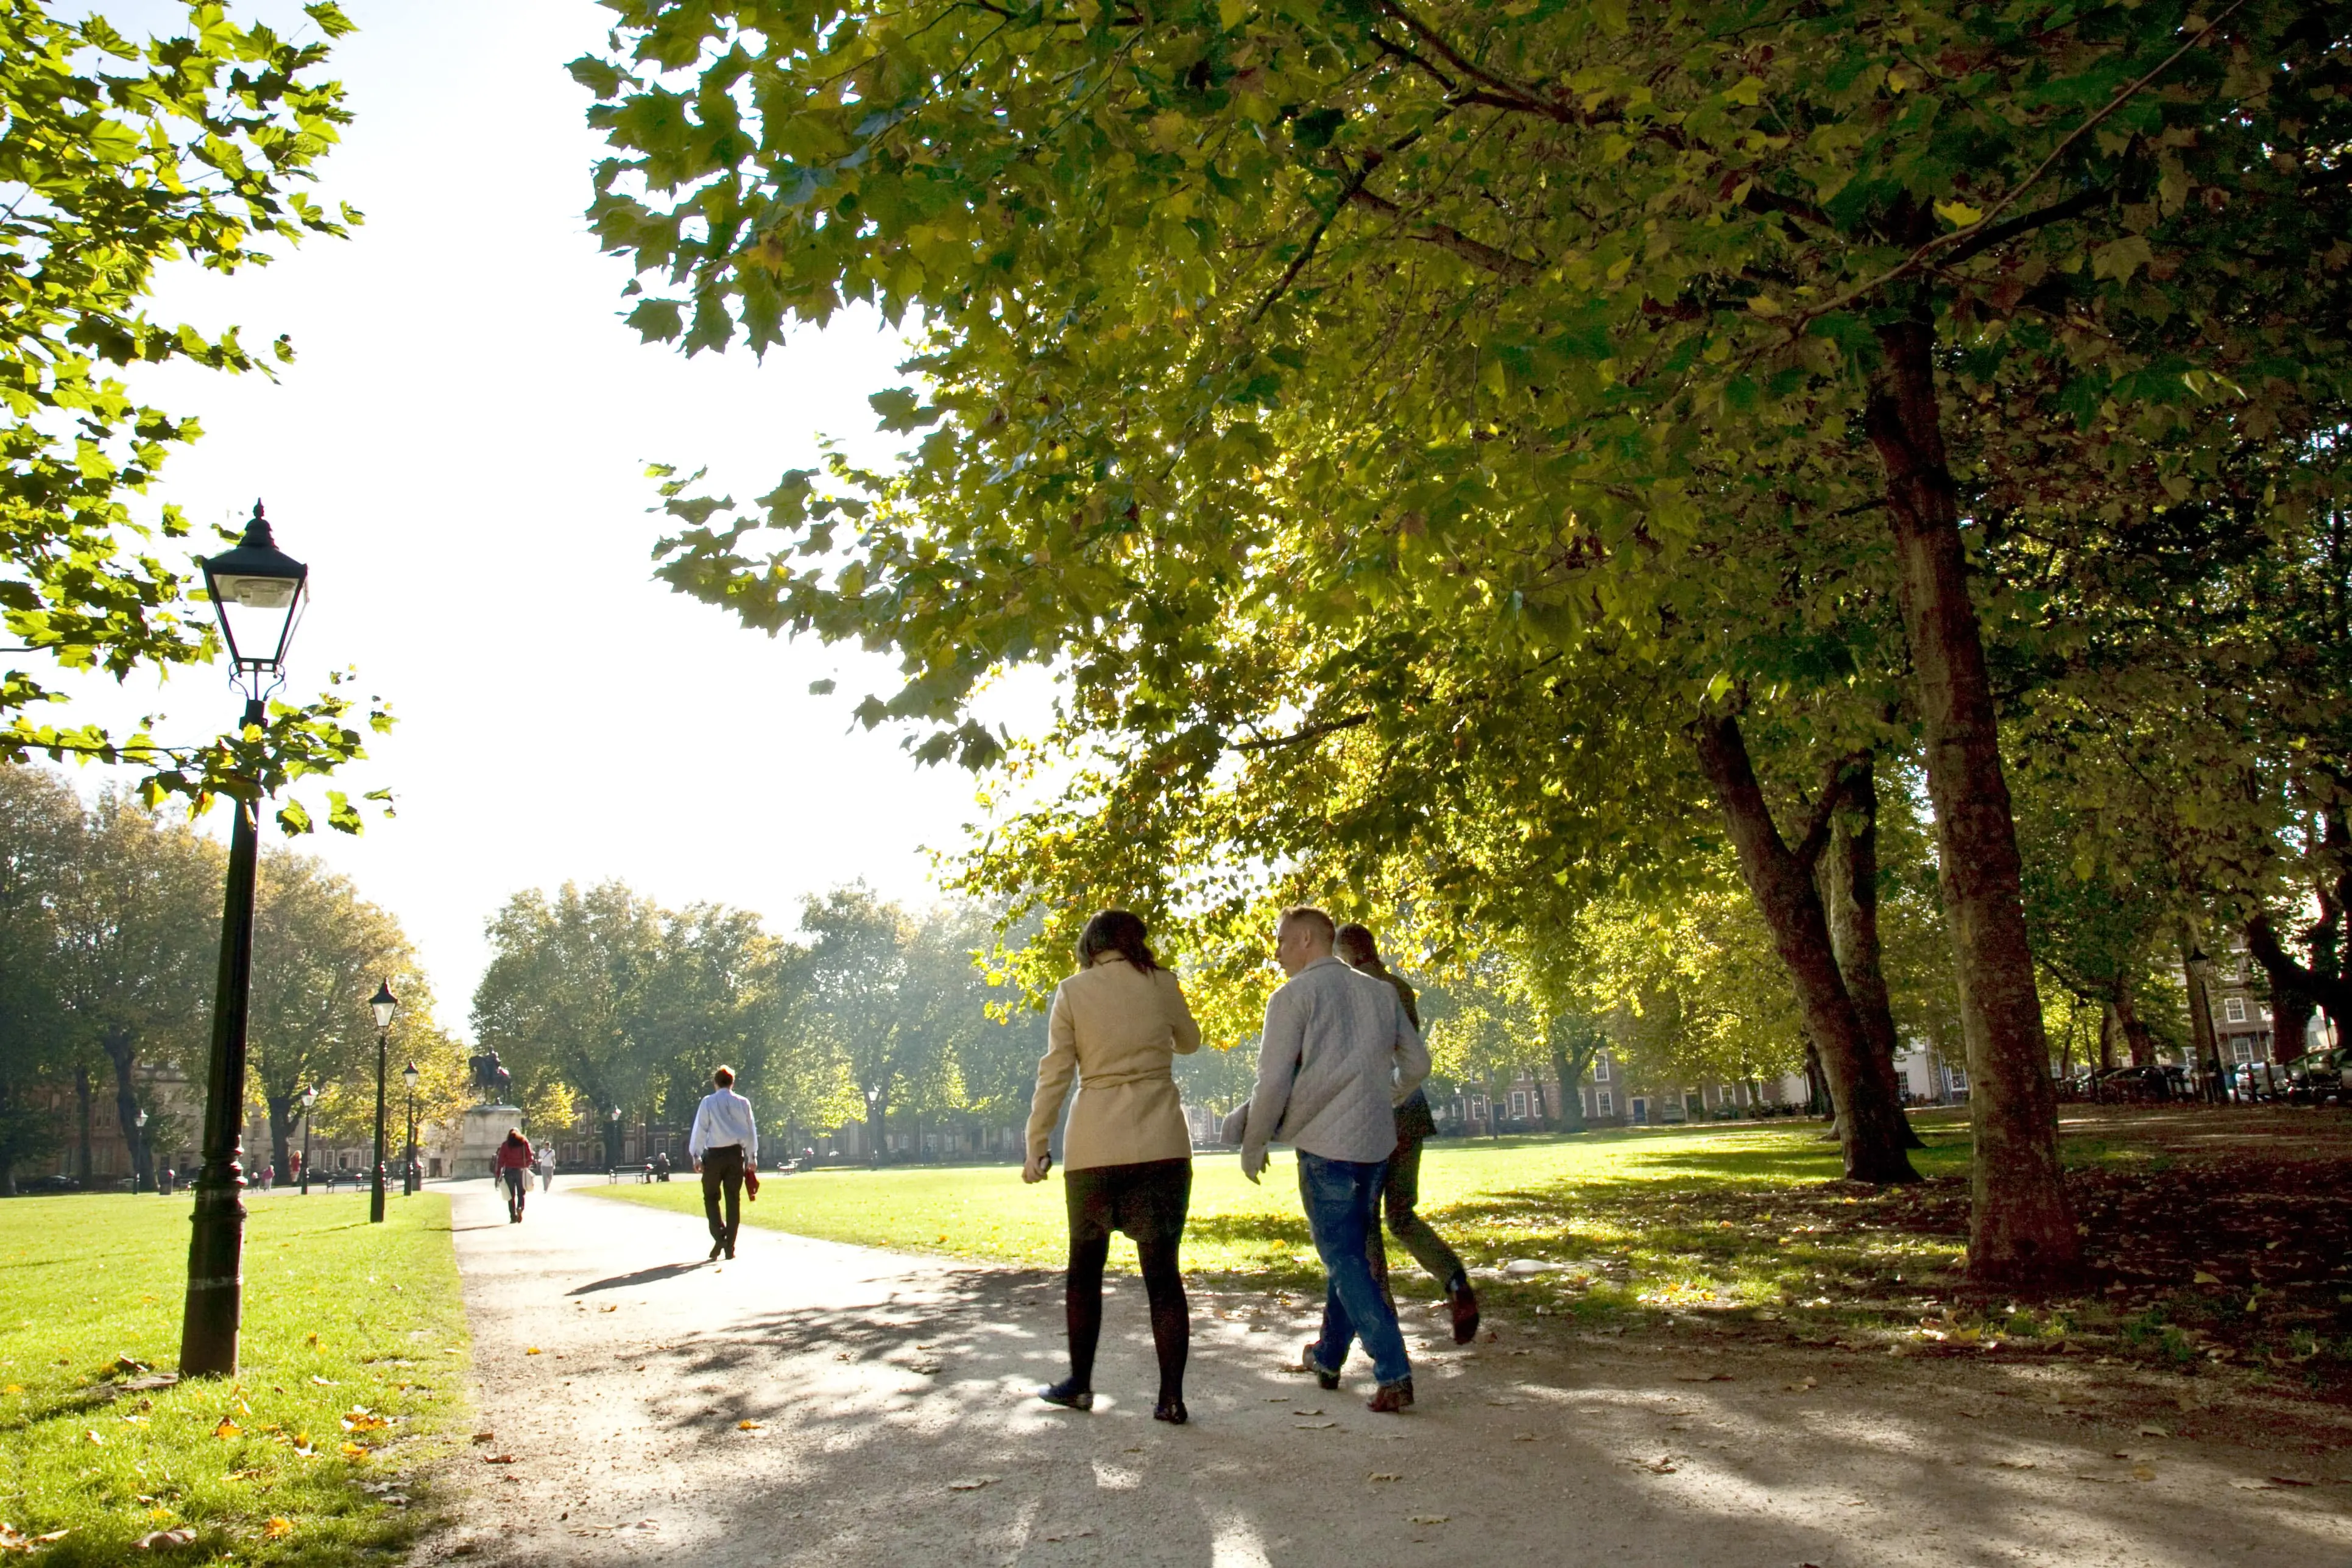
<point x="282" y="1128"/>
<point x="1870" y="1123"/>
<point x="122" y="1050"/>
<point x="81" y="1097"/>
<point x="2201" y="1033"/>
<point x="1851" y="890"/>
<point x="2022" y="1226"/>
<point x="2138" y="1036"/>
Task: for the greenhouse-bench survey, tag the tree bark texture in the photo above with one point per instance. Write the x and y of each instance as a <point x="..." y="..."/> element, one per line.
<point x="2021" y="1225"/>
<point x="1850" y="887"/>
<point x="1870" y="1121"/>
<point x="2206" y="1041"/>
<point x="2138" y="1038"/>
<point x="1570" y="1071"/>
<point x="81" y="1100"/>
<point x="122" y="1050"/>
<point x="282" y="1133"/>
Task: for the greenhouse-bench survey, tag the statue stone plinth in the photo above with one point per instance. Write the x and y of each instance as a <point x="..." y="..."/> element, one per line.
<point x="481" y="1131"/>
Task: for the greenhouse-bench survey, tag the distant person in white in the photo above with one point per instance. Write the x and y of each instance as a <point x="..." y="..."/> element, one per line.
<point x="1336" y="1055"/>
<point x="724" y="1144"/>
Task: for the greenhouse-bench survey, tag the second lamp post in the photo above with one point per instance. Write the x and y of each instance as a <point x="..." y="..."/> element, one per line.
<point x="408" y="1177"/>
<point x="383" y="1001"/>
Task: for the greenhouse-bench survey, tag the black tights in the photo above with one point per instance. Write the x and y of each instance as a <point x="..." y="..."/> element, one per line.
<point x="1163" y="1285"/>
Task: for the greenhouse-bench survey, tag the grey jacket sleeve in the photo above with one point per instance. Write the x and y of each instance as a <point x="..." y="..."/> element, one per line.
<point x="1280" y="1045"/>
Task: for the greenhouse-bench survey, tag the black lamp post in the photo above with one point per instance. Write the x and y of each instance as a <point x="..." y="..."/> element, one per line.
<point x="383" y="1001"/>
<point x="309" y="1098"/>
<point x="256" y="590"/>
<point x="138" y="1176"/>
<point x="408" y="1172"/>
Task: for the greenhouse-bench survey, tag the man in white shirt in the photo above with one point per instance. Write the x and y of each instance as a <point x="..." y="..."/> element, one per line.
<point x="724" y="1144"/>
<point x="1336" y="1055"/>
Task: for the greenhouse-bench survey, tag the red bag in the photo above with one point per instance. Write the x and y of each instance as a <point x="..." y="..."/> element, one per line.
<point x="751" y="1185"/>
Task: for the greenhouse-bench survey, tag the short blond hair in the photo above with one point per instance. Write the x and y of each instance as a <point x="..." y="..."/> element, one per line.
<point x="1310" y="915"/>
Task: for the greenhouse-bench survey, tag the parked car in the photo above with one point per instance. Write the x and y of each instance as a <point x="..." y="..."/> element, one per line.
<point x="2141" y="1083"/>
<point x="2317" y="1078"/>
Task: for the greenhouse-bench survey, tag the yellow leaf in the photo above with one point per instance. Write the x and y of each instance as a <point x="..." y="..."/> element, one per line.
<point x="747" y="1425"/>
<point x="533" y="1351"/>
<point x="2202" y="1277"/>
<point x="1958" y="213"/>
<point x="279" y="1527"/>
<point x="1231" y="12"/>
<point x="227" y="1429"/>
<point x="16" y="1388"/>
<point x="354" y="1452"/>
<point x="1764" y="304"/>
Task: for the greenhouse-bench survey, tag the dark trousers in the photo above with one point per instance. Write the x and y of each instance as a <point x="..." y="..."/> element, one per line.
<point x="1401" y="1196"/>
<point x="723" y="1168"/>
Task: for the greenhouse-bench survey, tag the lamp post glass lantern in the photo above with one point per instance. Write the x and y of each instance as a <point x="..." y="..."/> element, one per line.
<point x="309" y="1098"/>
<point x="408" y="1169"/>
<point x="382" y="1003"/>
<point x="257" y="591"/>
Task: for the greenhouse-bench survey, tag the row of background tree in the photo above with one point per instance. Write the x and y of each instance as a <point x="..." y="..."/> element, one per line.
<point x="603" y="998"/>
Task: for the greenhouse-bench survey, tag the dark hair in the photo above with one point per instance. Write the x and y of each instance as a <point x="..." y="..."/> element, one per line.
<point x="1356" y="938"/>
<point x="723" y="1077"/>
<point x="1116" y="931"/>
<point x="514" y="1135"/>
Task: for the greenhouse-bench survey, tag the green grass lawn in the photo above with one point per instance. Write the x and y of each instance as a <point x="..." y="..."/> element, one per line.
<point x="1619" y="1210"/>
<point x="353" y="1362"/>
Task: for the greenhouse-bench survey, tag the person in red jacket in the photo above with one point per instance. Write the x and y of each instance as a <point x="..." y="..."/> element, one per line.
<point x="512" y="1168"/>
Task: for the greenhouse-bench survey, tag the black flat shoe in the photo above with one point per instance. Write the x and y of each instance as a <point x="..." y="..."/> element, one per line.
<point x="1323" y="1379"/>
<point x="716" y="1249"/>
<point x="1069" y="1395"/>
<point x="1171" y="1411"/>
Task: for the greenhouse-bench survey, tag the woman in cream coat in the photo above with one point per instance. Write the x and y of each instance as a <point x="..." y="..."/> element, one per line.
<point x="1117" y="1026"/>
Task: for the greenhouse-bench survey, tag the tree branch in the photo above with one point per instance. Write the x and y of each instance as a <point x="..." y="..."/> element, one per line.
<point x="1301" y="736"/>
<point x="1502" y="263"/>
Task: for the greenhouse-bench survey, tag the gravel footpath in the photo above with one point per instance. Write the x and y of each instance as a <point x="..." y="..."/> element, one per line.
<point x="817" y="1404"/>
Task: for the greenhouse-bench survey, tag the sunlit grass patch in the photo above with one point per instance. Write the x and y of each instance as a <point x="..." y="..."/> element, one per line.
<point x="352" y="1372"/>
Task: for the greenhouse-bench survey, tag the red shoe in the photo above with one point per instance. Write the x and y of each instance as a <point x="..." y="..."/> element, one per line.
<point x="1392" y="1399"/>
<point x="1463" y="1303"/>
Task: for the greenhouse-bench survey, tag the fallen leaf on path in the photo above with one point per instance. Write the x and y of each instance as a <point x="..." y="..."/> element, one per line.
<point x="615" y="1307"/>
<point x="161" y="1540"/>
<point x="1703" y="1377"/>
<point x="498" y="1459"/>
<point x="1427" y="1518"/>
<point x="2154" y="1432"/>
<point x="2014" y="1464"/>
<point x="1523" y="1437"/>
<point x="1306" y="1413"/>
<point x="2289" y="1481"/>
<point x="972" y="1485"/>
<point x="1384" y="1476"/>
<point x="1070" y="1535"/>
<point x="533" y="1351"/>
<point x="1663" y="1465"/>
<point x="747" y="1425"/>
<point x="2143" y="1473"/>
<point x="1313" y="1426"/>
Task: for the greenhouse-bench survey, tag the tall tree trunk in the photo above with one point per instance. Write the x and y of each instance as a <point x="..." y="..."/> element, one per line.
<point x="1850" y="887"/>
<point x="282" y="1128"/>
<point x="2109" y="1027"/>
<point x="2207" y="1041"/>
<point x="1571" y="1095"/>
<point x="2021" y="1225"/>
<point x="1817" y="1083"/>
<point x="877" y="1108"/>
<point x="1870" y="1123"/>
<point x="2138" y="1036"/>
<point x="122" y="1050"/>
<point x="81" y="1101"/>
<point x="2292" y="1010"/>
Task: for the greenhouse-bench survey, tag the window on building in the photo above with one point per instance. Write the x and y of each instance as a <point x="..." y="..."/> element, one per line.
<point x="1608" y="1104"/>
<point x="1600" y="1069"/>
<point x="2241" y="1048"/>
<point x="2233" y="1009"/>
<point x="1518" y="1103"/>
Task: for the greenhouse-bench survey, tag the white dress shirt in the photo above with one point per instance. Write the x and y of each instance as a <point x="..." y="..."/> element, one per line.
<point x="1337" y="1057"/>
<point x="724" y="1117"/>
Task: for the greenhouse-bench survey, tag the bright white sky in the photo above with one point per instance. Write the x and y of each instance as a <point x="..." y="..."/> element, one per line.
<point x="458" y="456"/>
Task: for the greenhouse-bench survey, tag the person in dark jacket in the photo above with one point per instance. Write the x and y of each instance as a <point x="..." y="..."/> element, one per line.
<point x="1401" y="1196"/>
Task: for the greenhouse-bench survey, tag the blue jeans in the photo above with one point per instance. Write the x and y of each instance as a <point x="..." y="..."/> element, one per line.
<point x="1343" y="1204"/>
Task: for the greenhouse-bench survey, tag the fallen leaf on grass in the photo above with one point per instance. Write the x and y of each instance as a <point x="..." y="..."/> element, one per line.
<point x="92" y="1436"/>
<point x="13" y="1388"/>
<point x="322" y="1381"/>
<point x="278" y="1527"/>
<point x="227" y="1429"/>
<point x="163" y="1539"/>
<point x="354" y="1452"/>
<point x="361" y="1419"/>
<point x="973" y="1484"/>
